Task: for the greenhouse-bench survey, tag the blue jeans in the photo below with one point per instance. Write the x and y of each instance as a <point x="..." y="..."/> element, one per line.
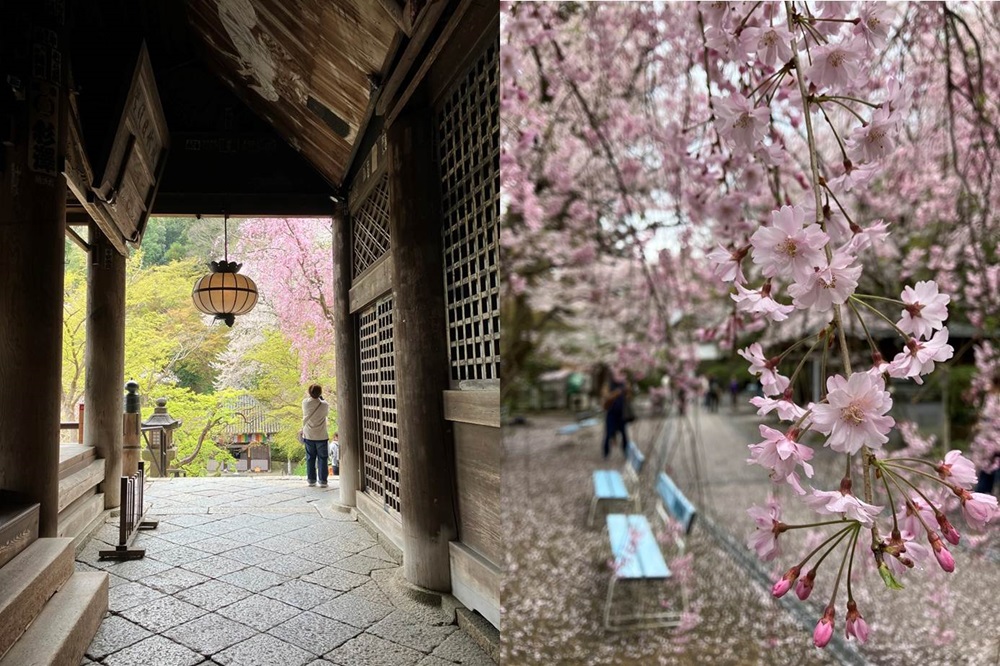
<point x="614" y="424"/>
<point x="317" y="454"/>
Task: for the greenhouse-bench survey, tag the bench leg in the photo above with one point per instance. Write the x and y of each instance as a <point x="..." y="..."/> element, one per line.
<point x="593" y="510"/>
<point x="607" y="603"/>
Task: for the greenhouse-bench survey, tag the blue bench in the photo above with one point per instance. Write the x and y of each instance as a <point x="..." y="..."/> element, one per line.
<point x="578" y="428"/>
<point x="637" y="557"/>
<point x="610" y="485"/>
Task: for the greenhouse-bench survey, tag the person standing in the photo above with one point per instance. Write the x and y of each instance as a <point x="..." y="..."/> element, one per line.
<point x="614" y="393"/>
<point x="315" y="435"/>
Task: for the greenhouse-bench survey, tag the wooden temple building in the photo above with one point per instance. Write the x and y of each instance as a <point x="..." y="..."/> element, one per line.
<point x="382" y="114"/>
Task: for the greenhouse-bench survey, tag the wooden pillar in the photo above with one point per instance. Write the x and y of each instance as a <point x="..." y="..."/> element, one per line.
<point x="105" y="360"/>
<point x="346" y="345"/>
<point x="33" y="48"/>
<point x="420" y="339"/>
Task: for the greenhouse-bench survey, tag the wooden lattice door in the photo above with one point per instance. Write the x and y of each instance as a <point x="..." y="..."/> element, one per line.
<point x="379" y="435"/>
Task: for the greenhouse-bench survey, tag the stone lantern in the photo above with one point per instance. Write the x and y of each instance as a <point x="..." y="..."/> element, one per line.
<point x="160" y="441"/>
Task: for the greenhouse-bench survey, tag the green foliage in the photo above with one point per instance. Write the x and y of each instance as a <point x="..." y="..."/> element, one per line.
<point x="198" y="414"/>
<point x="74" y="329"/>
<point x="276" y="385"/>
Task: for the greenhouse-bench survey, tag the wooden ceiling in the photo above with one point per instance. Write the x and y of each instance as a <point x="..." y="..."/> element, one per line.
<point x="307" y="67"/>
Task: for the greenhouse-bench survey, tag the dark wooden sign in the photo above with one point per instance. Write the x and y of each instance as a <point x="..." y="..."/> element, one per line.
<point x="119" y="192"/>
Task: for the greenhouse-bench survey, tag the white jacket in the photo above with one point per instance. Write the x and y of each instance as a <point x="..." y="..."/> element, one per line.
<point x="314" y="413"/>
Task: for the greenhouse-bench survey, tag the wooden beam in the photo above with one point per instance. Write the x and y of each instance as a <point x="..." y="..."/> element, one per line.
<point x="376" y="281"/>
<point x="78" y="239"/>
<point x="395" y="11"/>
<point x="104" y="360"/>
<point x="347" y="363"/>
<point x="472" y="24"/>
<point x="33" y="238"/>
<point x="429" y="20"/>
<point x="421" y="353"/>
<point x="478" y="407"/>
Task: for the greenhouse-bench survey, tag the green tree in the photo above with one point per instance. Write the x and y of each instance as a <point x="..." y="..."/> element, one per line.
<point x="74" y="329"/>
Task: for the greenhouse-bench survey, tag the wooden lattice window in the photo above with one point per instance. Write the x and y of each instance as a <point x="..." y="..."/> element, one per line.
<point x="387" y="379"/>
<point x="379" y="434"/>
<point x="371" y="405"/>
<point x="468" y="141"/>
<point x="371" y="227"/>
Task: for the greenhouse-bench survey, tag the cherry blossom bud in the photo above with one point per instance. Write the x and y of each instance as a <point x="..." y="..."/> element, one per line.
<point x="944" y="557"/>
<point x="947" y="529"/>
<point x="786" y="582"/>
<point x="856" y="625"/>
<point x="824" y="629"/>
<point x="805" y="585"/>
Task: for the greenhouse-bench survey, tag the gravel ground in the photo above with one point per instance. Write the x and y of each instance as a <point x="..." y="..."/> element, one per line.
<point x="557" y="573"/>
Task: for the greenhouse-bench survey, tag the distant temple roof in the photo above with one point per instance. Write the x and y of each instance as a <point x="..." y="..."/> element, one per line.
<point x="254" y="417"/>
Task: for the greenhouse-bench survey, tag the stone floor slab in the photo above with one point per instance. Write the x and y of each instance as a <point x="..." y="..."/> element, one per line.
<point x="249" y="554"/>
<point x="284" y="544"/>
<point x="154" y="651"/>
<point x="368" y="650"/>
<point x="459" y="648"/>
<point x="264" y="650"/>
<point x="162" y="614"/>
<point x="214" y="566"/>
<point x="130" y="594"/>
<point x="405" y="629"/>
<point x="301" y="594"/>
<point x="259" y="612"/>
<point x="336" y="579"/>
<point x="114" y="634"/>
<point x="314" y="632"/>
<point x="292" y="566"/>
<point x="173" y="580"/>
<point x="215" y="545"/>
<point x="360" y="564"/>
<point x="253" y="579"/>
<point x="210" y="633"/>
<point x="354" y="610"/>
<point x="213" y="594"/>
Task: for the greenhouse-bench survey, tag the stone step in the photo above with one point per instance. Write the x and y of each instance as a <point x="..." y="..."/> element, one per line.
<point x="27" y="582"/>
<point x="78" y="484"/>
<point x="66" y="626"/>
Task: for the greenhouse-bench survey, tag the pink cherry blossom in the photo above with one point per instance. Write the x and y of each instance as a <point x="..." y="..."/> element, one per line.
<point x="873" y="141"/>
<point x="846" y="505"/>
<point x="912" y="516"/>
<point x="942" y="554"/>
<point x="876" y="234"/>
<point x="957" y="469"/>
<point x="785" y="582"/>
<point x="787" y="410"/>
<point x="780" y="453"/>
<point x="771" y="381"/>
<point x="788" y="247"/>
<point x="925" y="309"/>
<point x="856" y="625"/>
<point x="754" y="301"/>
<point x="740" y="122"/>
<point x="919" y="357"/>
<point x="978" y="508"/>
<point x="824" y="629"/>
<point x="836" y="66"/>
<point x="805" y="585"/>
<point x="764" y="538"/>
<point x="774" y="45"/>
<point x="876" y="18"/>
<point x="855" y="413"/>
<point x="726" y="264"/>
<point x="828" y="286"/>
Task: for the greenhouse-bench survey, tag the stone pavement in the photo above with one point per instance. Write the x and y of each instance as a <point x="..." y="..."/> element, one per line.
<point x="260" y="572"/>
<point x="557" y="574"/>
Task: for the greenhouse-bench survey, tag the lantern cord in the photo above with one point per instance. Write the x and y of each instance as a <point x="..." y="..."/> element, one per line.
<point x="225" y="234"/>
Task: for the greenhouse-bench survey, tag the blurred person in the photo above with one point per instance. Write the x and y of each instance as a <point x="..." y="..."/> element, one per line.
<point x="614" y="395"/>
